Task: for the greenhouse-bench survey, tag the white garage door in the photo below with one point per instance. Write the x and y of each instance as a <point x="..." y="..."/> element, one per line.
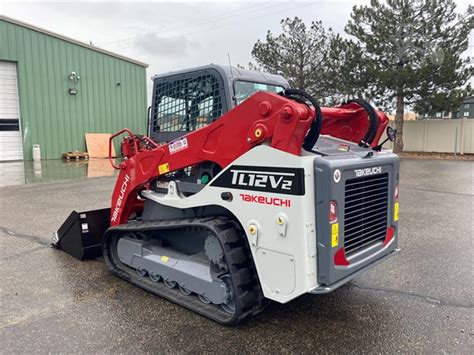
<point x="10" y="135"/>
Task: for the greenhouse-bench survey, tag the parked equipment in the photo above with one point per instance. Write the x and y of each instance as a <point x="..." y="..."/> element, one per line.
<point x="254" y="193"/>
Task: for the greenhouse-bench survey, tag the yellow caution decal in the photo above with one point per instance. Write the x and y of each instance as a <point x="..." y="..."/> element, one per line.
<point x="165" y="258"/>
<point x="395" y="212"/>
<point x="334" y="235"/>
<point x="163" y="168"/>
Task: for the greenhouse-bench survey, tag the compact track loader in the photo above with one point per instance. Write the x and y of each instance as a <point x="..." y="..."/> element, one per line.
<point x="244" y="191"/>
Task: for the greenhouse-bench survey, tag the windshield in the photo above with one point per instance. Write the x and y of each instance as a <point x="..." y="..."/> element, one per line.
<point x="244" y="89"/>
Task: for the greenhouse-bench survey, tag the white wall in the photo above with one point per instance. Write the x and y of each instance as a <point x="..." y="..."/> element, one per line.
<point x="437" y="136"/>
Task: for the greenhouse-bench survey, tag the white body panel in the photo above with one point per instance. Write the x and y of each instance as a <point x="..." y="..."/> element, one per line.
<point x="284" y="255"/>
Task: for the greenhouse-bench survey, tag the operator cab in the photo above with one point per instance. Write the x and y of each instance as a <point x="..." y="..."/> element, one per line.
<point x="186" y="100"/>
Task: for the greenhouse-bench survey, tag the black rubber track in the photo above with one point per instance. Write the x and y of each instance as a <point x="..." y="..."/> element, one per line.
<point x="247" y="291"/>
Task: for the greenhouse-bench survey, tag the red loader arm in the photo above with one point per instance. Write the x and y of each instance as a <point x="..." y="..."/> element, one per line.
<point x="264" y="117"/>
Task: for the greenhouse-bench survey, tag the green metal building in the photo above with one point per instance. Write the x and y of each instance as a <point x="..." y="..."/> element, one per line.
<point x="54" y="89"/>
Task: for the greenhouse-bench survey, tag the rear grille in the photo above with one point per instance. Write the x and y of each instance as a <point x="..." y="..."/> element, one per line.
<point x="365" y="212"/>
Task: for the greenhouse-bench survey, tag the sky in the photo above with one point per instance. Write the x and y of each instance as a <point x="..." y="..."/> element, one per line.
<point x="175" y="35"/>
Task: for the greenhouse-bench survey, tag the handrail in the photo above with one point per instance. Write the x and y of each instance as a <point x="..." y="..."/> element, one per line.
<point x="131" y="135"/>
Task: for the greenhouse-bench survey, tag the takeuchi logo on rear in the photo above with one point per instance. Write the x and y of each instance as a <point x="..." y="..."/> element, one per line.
<point x="368" y="171"/>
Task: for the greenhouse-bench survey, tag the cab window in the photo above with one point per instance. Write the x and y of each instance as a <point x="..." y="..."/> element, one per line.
<point x="245" y="89"/>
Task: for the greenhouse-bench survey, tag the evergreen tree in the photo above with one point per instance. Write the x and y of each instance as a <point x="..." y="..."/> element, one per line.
<point x="304" y="56"/>
<point x="412" y="54"/>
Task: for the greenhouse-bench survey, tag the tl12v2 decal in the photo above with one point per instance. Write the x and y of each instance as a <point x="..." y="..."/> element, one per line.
<point x="288" y="181"/>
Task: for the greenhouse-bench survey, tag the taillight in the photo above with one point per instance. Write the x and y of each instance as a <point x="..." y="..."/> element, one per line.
<point x="340" y="258"/>
<point x="395" y="194"/>
<point x="389" y="235"/>
<point x="332" y="211"/>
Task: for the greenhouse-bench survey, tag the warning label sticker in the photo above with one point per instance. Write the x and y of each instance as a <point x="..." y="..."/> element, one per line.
<point x="395" y="212"/>
<point x="163" y="168"/>
<point x="178" y="145"/>
<point x="334" y="235"/>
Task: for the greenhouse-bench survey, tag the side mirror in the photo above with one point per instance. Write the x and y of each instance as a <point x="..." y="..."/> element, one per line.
<point x="391" y="133"/>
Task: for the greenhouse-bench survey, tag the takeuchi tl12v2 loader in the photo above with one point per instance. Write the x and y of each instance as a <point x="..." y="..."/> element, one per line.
<point x="244" y="191"/>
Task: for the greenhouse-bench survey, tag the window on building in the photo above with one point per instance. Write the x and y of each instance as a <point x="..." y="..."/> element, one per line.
<point x="438" y="114"/>
<point x="466" y="114"/>
<point x="466" y="106"/>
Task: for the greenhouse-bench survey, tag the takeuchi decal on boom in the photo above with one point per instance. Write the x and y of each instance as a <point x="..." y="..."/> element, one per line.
<point x="123" y="188"/>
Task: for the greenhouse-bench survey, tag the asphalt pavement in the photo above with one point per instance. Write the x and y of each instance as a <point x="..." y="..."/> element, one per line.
<point x="418" y="301"/>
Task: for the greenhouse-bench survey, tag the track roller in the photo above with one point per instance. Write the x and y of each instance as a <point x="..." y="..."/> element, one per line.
<point x="169" y="283"/>
<point x="141" y="271"/>
<point x="154" y="277"/>
<point x="185" y="291"/>
<point x="204" y="299"/>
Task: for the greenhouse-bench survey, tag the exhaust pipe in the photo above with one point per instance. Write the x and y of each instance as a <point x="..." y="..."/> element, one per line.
<point x="81" y="233"/>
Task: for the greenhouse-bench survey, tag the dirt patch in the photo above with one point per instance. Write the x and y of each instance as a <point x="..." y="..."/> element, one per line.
<point x="436" y="156"/>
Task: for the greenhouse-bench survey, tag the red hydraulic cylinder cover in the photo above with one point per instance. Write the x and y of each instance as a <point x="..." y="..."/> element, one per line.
<point x="350" y="122"/>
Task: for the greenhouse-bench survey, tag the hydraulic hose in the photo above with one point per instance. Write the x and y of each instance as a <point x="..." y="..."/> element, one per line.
<point x="313" y="133"/>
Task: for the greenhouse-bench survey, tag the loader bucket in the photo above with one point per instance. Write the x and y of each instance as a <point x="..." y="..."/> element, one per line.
<point x="81" y="233"/>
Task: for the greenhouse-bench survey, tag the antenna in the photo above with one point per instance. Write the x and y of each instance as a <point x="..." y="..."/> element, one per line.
<point x="230" y="67"/>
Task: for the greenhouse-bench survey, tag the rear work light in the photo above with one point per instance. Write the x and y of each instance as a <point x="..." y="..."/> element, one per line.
<point x="332" y="211"/>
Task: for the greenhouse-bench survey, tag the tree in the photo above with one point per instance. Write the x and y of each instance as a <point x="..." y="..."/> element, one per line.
<point x="302" y="55"/>
<point x="412" y="54"/>
<point x="349" y="76"/>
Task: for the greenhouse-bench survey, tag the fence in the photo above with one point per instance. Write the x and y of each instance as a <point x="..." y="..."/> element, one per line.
<point x="440" y="136"/>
